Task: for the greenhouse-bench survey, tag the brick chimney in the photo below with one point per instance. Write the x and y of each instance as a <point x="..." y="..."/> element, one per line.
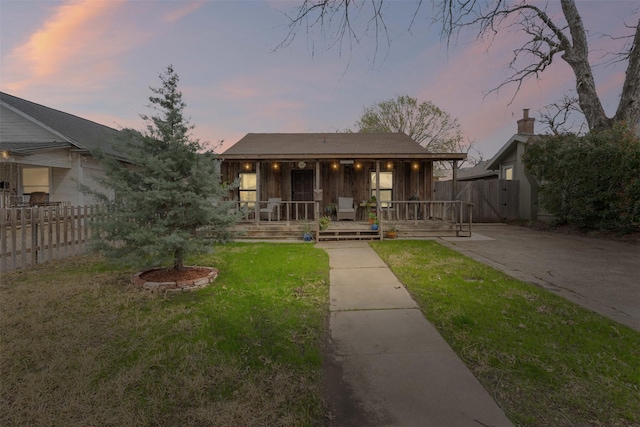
<point x="525" y="124"/>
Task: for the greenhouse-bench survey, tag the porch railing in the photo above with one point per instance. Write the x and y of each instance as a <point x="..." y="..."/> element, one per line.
<point x="457" y="212"/>
<point x="285" y="210"/>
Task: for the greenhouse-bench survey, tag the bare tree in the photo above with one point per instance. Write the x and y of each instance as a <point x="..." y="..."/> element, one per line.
<point x="550" y="37"/>
<point x="433" y="128"/>
<point x="430" y="126"/>
<point x="557" y="116"/>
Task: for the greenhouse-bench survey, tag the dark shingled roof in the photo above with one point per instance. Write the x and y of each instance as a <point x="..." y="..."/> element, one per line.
<point x="82" y="133"/>
<point x="330" y="145"/>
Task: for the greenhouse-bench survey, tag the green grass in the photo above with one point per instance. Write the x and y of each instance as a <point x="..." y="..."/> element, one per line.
<point x="546" y="361"/>
<point x="80" y="346"/>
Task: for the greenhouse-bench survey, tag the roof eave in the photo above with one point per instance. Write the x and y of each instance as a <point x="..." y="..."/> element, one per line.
<point x="339" y="156"/>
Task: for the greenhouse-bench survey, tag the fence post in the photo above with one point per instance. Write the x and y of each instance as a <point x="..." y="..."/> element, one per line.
<point x="4" y="253"/>
<point x="50" y="232"/>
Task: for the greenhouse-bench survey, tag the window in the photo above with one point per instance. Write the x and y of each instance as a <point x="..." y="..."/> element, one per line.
<point x="35" y="179"/>
<point x="386" y="188"/>
<point x="248" y="189"/>
<point x="507" y="173"/>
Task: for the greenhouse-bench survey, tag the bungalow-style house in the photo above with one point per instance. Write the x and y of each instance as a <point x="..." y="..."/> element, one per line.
<point x="347" y="176"/>
<point x="45" y="154"/>
<point x="507" y="165"/>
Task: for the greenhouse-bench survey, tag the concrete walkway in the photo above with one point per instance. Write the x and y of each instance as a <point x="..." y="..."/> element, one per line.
<point x="387" y="365"/>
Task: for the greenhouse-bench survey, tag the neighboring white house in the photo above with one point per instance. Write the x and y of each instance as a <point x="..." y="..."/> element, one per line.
<point x="43" y="150"/>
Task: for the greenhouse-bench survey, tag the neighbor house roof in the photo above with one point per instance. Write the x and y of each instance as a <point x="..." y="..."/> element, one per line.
<point x="479" y="171"/>
<point x="282" y="146"/>
<point x="67" y="129"/>
<point x="494" y="162"/>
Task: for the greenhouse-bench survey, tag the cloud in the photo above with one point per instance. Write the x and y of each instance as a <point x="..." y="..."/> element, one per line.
<point x="76" y="44"/>
<point x="181" y="12"/>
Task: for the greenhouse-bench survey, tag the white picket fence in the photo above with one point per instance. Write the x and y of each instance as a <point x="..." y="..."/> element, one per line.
<point x="36" y="235"/>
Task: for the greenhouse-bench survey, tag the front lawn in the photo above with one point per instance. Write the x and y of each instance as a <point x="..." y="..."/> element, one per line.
<point x="79" y="346"/>
<point x="545" y="360"/>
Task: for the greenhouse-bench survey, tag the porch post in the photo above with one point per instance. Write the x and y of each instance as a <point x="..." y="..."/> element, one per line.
<point x="316" y="204"/>
<point x="454" y="179"/>
<point x="256" y="206"/>
<point x="377" y="183"/>
<point x="378" y="204"/>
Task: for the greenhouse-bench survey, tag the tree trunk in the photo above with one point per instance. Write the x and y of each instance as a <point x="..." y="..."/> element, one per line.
<point x="576" y="55"/>
<point x="629" y="106"/>
<point x="178" y="260"/>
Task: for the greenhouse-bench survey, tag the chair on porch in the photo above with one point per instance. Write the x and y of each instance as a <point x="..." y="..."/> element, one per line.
<point x="272" y="206"/>
<point x="345" y="209"/>
<point x="38" y="198"/>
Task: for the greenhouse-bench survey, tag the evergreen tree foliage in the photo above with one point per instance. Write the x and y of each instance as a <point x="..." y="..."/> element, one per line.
<point x="590" y="182"/>
<point x="167" y="200"/>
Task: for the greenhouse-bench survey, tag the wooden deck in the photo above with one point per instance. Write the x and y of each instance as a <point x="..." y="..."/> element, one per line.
<point x="346" y="230"/>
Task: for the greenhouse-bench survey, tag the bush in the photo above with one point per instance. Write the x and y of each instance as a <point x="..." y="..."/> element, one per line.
<point x="592" y="181"/>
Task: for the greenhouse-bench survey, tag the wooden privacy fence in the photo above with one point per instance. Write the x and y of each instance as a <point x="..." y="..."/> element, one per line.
<point x="37" y="235"/>
<point x="494" y="200"/>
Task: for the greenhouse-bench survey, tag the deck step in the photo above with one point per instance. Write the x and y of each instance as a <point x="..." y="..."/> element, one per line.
<point x="349" y="235"/>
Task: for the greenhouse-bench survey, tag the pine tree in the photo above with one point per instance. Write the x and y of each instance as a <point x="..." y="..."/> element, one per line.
<point x="166" y="200"/>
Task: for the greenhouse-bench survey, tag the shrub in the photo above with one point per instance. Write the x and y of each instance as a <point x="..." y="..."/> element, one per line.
<point x="591" y="181"/>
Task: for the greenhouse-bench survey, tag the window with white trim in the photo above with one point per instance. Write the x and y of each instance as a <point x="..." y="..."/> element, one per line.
<point x="386" y="188"/>
<point x="35" y="179"/>
<point x="507" y="173"/>
<point x="247" y="189"/>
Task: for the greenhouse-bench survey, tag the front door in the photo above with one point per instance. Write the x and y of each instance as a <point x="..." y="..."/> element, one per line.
<point x="302" y="190"/>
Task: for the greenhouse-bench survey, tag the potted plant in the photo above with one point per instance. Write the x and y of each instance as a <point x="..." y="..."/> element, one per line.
<point x="307" y="236"/>
<point x="392" y="233"/>
<point x="324" y="222"/>
<point x="331" y="209"/>
<point x="374" y="226"/>
<point x="372" y="218"/>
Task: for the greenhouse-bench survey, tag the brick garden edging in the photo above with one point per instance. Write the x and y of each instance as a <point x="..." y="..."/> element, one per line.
<point x="186" y="285"/>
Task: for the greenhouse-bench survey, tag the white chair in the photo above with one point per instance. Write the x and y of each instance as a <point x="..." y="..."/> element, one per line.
<point x="345" y="209"/>
<point x="272" y="204"/>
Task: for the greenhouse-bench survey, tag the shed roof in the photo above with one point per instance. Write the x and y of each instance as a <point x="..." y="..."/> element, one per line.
<point x="280" y="146"/>
<point x="81" y="133"/>
<point x="478" y="171"/>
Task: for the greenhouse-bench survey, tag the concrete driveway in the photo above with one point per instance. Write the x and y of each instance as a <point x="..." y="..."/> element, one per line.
<point x="599" y="274"/>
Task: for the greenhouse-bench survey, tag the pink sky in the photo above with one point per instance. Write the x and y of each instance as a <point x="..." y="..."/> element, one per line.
<point x="97" y="58"/>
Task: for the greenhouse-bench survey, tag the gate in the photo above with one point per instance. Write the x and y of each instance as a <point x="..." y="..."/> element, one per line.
<point x="493" y="200"/>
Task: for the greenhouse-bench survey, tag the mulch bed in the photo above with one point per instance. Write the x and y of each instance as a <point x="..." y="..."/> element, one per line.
<point x="168" y="279"/>
<point x="171" y="275"/>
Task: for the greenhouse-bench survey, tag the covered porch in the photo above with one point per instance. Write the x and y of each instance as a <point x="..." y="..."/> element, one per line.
<point x="289" y="182"/>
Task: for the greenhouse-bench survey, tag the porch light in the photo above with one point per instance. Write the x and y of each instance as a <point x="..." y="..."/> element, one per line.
<point x="334" y="166"/>
<point x="5" y="154"/>
<point x="358" y="166"/>
<point x="389" y="165"/>
<point x="276" y="166"/>
<point x="247" y="166"/>
<point x="416" y="166"/>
